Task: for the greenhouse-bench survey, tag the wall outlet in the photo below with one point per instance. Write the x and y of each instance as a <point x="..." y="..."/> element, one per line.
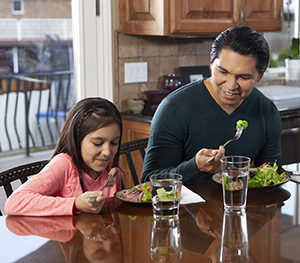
<point x="136" y="72"/>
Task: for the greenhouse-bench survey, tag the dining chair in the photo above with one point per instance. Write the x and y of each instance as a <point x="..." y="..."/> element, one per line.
<point x="127" y="149"/>
<point x="21" y="172"/>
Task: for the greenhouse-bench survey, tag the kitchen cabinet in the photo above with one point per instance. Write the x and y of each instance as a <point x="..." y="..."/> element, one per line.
<point x="195" y="17"/>
<point x="263" y="16"/>
<point x="133" y="130"/>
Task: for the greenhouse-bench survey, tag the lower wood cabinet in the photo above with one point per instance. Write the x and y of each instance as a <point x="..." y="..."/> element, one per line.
<point x="133" y="130"/>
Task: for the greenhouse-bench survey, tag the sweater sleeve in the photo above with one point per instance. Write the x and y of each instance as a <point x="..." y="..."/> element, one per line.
<point x="271" y="150"/>
<point x="46" y="193"/>
<point x="165" y="147"/>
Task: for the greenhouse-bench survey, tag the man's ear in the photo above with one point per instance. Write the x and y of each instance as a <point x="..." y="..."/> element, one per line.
<point x="261" y="75"/>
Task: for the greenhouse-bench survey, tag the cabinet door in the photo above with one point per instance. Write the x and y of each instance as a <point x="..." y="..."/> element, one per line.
<point x="133" y="130"/>
<point x="143" y="17"/>
<point x="202" y="17"/>
<point x="263" y="15"/>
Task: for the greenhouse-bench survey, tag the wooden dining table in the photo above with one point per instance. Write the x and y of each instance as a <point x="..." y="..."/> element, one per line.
<point x="122" y="231"/>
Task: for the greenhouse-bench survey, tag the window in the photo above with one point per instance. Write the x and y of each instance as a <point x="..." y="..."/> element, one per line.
<point x="280" y="42"/>
<point x="17" y="7"/>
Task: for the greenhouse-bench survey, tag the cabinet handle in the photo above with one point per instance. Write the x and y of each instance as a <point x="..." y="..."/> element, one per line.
<point x="281" y="15"/>
<point x="242" y="15"/>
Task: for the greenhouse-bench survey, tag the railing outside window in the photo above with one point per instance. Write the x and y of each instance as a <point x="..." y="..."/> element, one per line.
<point x="33" y="109"/>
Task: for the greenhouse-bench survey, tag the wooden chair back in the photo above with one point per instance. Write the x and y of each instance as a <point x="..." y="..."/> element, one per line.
<point x="127" y="149"/>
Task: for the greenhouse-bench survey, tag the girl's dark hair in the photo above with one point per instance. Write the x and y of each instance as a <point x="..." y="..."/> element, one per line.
<point x="86" y="116"/>
<point x="244" y="41"/>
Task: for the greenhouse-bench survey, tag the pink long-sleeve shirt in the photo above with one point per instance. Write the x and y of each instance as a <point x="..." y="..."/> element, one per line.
<point x="53" y="191"/>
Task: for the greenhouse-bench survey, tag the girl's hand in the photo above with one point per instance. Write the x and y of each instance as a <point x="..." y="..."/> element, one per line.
<point x="82" y="204"/>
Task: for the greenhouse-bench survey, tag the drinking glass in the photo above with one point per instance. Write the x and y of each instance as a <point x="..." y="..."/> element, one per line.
<point x="234" y="244"/>
<point x="235" y="175"/>
<point x="166" y="241"/>
<point x="166" y="191"/>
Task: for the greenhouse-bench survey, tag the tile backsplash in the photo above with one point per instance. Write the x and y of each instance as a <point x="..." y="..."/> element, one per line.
<point x="164" y="55"/>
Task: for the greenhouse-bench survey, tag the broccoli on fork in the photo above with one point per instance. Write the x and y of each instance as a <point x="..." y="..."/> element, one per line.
<point x="241" y="123"/>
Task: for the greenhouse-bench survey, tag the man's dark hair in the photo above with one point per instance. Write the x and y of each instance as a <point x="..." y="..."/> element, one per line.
<point x="244" y="41"/>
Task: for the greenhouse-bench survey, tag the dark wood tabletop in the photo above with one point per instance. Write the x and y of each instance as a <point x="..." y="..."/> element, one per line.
<point x="122" y="232"/>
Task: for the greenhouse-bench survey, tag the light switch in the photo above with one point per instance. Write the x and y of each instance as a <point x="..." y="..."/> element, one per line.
<point x="136" y="72"/>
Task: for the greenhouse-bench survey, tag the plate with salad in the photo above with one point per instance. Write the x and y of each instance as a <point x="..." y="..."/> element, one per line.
<point x="266" y="176"/>
<point x="138" y="194"/>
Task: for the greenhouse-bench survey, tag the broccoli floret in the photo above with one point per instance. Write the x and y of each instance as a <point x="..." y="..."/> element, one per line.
<point x="241" y="123"/>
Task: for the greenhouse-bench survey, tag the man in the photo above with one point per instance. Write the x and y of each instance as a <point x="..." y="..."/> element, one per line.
<point x="192" y="122"/>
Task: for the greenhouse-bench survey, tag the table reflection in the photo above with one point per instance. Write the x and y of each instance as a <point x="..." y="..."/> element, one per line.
<point x="125" y="232"/>
<point x="83" y="238"/>
<point x="202" y="231"/>
<point x="166" y="241"/>
<point x="234" y="244"/>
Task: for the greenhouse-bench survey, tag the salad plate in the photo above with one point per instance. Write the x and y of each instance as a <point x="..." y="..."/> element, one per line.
<point x="217" y="178"/>
<point x="120" y="195"/>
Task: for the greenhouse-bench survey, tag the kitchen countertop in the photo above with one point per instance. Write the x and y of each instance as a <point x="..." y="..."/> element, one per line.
<point x="147" y="119"/>
<point x="136" y="117"/>
<point x="285" y="98"/>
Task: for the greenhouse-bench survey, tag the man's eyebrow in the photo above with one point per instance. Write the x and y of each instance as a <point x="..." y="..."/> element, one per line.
<point x="245" y="75"/>
<point x="221" y="68"/>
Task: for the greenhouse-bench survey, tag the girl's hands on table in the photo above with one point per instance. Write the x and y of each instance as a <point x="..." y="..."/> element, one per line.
<point x="82" y="204"/>
<point x="213" y="166"/>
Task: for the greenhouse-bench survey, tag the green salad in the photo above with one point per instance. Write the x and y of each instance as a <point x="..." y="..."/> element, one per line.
<point x="266" y="175"/>
<point x="147" y="196"/>
<point x="164" y="195"/>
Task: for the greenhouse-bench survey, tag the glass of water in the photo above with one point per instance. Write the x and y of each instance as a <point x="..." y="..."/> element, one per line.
<point x="235" y="176"/>
<point x="166" y="192"/>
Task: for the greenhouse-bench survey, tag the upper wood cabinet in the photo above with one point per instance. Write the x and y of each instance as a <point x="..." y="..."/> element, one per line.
<point x="263" y="15"/>
<point x="198" y="17"/>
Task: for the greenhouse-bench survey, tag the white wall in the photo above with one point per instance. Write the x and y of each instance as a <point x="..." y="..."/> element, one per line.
<point x="93" y="52"/>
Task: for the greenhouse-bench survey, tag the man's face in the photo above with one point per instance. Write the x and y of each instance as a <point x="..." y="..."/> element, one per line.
<point x="233" y="78"/>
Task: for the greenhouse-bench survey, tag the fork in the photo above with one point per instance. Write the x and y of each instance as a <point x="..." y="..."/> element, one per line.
<point x="235" y="137"/>
<point x="109" y="184"/>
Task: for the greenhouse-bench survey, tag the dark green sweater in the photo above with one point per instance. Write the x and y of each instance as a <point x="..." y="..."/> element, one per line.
<point x="189" y="119"/>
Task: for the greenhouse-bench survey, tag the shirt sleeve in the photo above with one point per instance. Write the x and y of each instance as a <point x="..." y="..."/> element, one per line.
<point x="165" y="147"/>
<point x="43" y="194"/>
<point x="271" y="151"/>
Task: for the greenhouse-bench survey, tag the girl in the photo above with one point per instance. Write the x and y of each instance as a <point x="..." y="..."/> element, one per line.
<point x="87" y="150"/>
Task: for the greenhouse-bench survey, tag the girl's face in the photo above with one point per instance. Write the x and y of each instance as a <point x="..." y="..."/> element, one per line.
<point x="99" y="148"/>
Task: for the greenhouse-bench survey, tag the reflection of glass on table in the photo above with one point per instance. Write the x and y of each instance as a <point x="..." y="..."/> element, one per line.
<point x="166" y="241"/>
<point x="234" y="244"/>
